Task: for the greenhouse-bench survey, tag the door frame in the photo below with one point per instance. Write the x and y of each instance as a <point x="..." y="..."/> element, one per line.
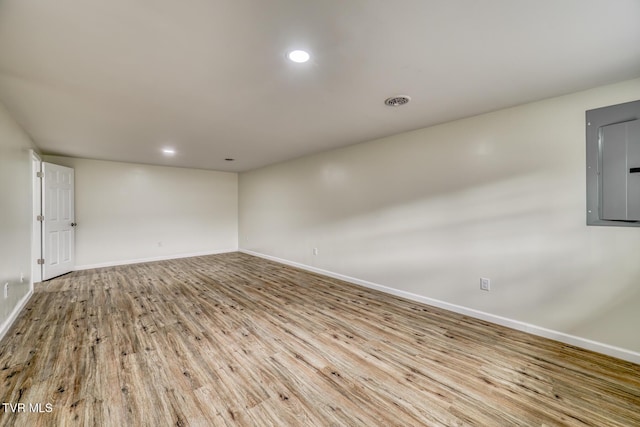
<point x="36" y="208"/>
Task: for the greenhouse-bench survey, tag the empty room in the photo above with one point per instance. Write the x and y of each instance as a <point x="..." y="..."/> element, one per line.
<point x="320" y="213"/>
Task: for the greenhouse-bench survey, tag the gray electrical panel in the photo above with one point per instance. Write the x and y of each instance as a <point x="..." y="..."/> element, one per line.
<point x="613" y="165"/>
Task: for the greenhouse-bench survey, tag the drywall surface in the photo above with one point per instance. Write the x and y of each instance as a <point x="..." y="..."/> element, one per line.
<point x="15" y="216"/>
<point x="130" y="212"/>
<point x="429" y="212"/>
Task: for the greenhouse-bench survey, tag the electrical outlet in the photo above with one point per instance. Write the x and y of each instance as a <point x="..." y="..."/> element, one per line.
<point x="485" y="284"/>
<point x="6" y="290"/>
<point x="315" y="251"/>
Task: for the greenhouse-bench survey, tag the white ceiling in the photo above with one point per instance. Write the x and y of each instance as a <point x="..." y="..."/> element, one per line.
<point x="120" y="79"/>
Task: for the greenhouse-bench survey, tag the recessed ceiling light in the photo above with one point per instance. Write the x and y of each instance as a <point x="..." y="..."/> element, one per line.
<point x="398" y="100"/>
<point x="298" y="56"/>
<point x="168" y="151"/>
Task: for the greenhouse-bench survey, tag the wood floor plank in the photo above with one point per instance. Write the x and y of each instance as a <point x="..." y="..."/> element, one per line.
<point x="235" y="340"/>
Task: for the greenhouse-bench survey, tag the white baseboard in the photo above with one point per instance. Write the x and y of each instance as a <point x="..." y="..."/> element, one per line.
<point x="158" y="258"/>
<point x="598" y="347"/>
<point x="14" y="314"/>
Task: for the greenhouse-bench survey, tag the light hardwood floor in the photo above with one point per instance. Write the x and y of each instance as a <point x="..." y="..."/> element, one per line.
<point x="237" y="340"/>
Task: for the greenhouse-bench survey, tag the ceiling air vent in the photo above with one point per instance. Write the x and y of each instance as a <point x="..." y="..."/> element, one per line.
<point x="396" y="101"/>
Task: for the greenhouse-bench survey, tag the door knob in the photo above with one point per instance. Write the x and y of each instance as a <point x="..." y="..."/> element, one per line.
<point x="73" y="224"/>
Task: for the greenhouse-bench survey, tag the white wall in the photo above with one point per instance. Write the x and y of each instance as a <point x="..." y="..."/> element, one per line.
<point x="130" y="212"/>
<point x="15" y="217"/>
<point x="429" y="212"/>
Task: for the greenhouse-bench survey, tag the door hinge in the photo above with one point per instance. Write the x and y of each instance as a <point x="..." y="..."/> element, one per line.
<point x="40" y="218"/>
<point x="40" y="174"/>
<point x="40" y="261"/>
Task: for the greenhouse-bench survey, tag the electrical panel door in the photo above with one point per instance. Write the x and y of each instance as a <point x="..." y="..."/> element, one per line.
<point x="620" y="171"/>
<point x="613" y="165"/>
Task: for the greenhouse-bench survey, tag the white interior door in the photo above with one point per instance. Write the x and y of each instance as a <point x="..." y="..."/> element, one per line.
<point x="58" y="226"/>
